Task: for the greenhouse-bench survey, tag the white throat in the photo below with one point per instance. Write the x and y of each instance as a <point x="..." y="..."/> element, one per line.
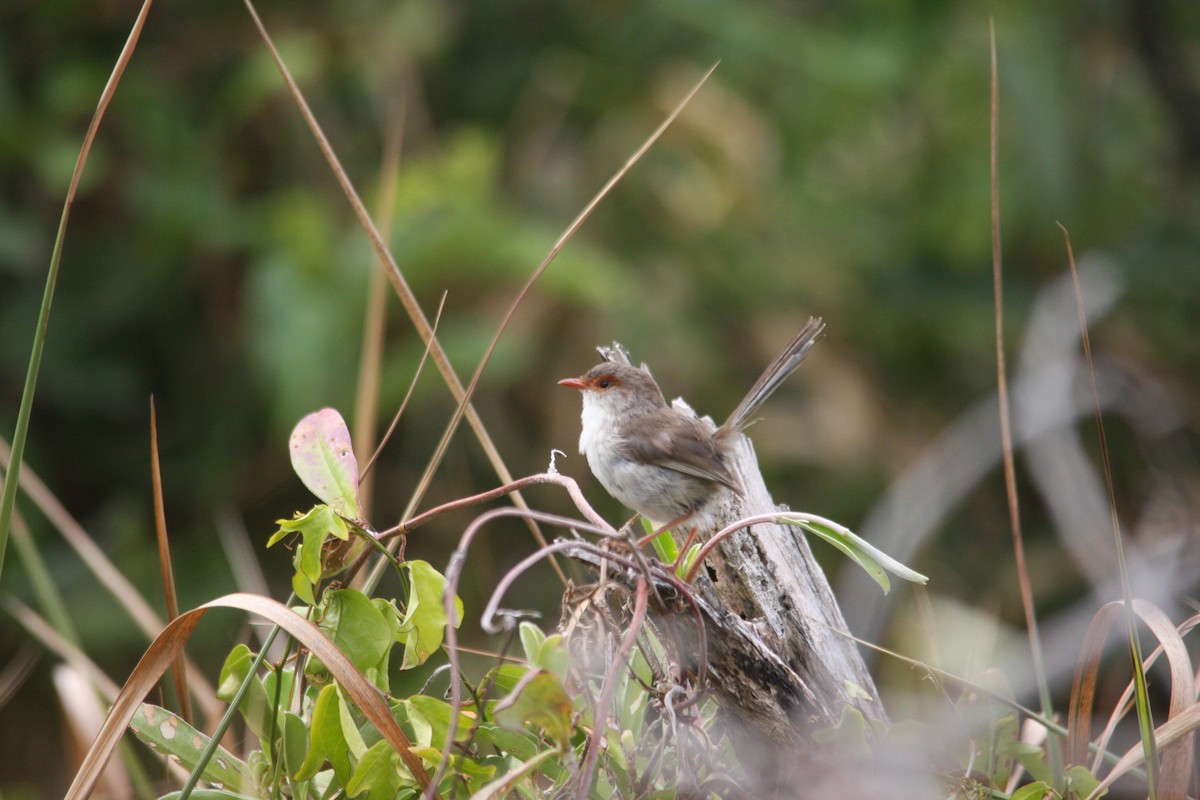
<point x="593" y="418"/>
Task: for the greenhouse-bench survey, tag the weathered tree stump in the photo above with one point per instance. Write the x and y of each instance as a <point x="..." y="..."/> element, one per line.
<point x="778" y="662"/>
<point x="778" y="632"/>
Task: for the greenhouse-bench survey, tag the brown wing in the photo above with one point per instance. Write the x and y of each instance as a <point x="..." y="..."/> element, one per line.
<point x="681" y="443"/>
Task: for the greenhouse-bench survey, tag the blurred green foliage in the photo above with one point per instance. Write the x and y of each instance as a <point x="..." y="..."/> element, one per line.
<point x="836" y="164"/>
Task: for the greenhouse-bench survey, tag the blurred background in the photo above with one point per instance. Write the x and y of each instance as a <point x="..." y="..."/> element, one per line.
<point x="836" y="164"/>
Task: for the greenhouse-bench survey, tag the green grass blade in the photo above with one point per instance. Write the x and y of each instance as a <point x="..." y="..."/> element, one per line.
<point x="9" y="498"/>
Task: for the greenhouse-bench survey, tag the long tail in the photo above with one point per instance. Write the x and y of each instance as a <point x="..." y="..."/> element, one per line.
<point x="783" y="366"/>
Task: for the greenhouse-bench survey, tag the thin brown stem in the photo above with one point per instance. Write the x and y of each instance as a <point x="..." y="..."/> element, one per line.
<point x="600" y="719"/>
<point x="1135" y="646"/>
<point x="569" y="484"/>
<point x="1010" y="470"/>
<point x="370" y="361"/>
<point x="178" y="669"/>
<point x="412" y="385"/>
<point x="407" y="299"/>
<point x="576" y="224"/>
<point x="453" y="574"/>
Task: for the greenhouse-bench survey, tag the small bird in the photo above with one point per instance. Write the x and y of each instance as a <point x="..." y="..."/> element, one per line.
<point x="662" y="462"/>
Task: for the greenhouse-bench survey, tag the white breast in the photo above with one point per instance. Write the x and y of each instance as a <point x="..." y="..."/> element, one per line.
<point x="593" y="428"/>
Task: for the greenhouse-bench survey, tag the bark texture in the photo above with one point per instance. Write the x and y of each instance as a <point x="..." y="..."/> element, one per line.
<point x="777" y="644"/>
<point x="777" y="663"/>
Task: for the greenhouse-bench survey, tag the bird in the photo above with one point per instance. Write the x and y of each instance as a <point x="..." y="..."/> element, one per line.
<point x="663" y="462"/>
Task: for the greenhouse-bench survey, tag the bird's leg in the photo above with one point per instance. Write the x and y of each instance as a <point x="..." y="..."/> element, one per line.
<point x="683" y="551"/>
<point x="645" y="540"/>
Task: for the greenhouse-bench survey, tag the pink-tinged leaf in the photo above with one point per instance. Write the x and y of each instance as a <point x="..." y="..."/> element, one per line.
<point x="324" y="459"/>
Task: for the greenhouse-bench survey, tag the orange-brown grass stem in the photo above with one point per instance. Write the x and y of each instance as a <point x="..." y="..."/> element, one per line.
<point x="178" y="671"/>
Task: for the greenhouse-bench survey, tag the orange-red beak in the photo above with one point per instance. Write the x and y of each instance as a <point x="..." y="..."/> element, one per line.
<point x="573" y="383"/>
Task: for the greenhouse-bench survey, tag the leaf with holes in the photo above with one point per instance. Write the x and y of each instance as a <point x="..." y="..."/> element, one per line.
<point x="168" y="734"/>
<point x="324" y="459"/>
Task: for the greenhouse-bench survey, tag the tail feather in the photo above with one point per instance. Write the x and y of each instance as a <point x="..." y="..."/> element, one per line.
<point x="774" y="375"/>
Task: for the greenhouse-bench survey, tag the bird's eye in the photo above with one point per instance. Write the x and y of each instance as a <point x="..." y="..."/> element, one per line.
<point x="604" y="383"/>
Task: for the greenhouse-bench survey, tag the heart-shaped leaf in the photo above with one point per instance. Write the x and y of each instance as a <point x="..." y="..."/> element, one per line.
<point x="324" y="459"/>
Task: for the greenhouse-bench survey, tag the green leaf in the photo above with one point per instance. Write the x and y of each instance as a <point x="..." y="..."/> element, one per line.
<point x="424" y="624"/>
<point x="168" y="734"/>
<point x="295" y="743"/>
<point x="688" y="560"/>
<point x="349" y="727"/>
<point x="326" y="739"/>
<point x="506" y="676"/>
<point x="303" y="587"/>
<point x="849" y="735"/>
<point x="430" y="719"/>
<point x="476" y="772"/>
<point x="379" y="774"/>
<point x="857" y="692"/>
<point x="255" y="707"/>
<point x="501" y="786"/>
<point x="873" y="560"/>
<point x="1081" y="782"/>
<point x="633" y="702"/>
<point x="285" y="676"/>
<point x="998" y="762"/>
<point x="419" y="727"/>
<point x="617" y="767"/>
<point x="209" y="794"/>
<point x="552" y="656"/>
<point x="547" y="652"/>
<point x="663" y="544"/>
<point x="1031" y="758"/>
<point x="531" y="639"/>
<point x="1033" y="791"/>
<point x="391" y="618"/>
<point x="543" y="702"/>
<point x="324" y="459"/>
<point x="315" y="526"/>
<point x="517" y="743"/>
<point x="354" y="623"/>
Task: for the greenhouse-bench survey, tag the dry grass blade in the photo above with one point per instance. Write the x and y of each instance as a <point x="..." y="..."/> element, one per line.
<point x="16" y="671"/>
<point x="407" y="298"/>
<point x="107" y="573"/>
<point x="412" y="385"/>
<point x="154" y="663"/>
<point x="66" y="650"/>
<point x="1177" y="758"/>
<point x="178" y="669"/>
<point x="1141" y="694"/>
<point x="366" y="403"/>
<point x="570" y="231"/>
<point x="42" y="583"/>
<point x="1173" y="730"/>
<point x="368" y="581"/>
<point x="169" y="644"/>
<point x="1083" y="690"/>
<point x="84" y="714"/>
<point x="1010" y="470"/>
<point x="1177" y="762"/>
